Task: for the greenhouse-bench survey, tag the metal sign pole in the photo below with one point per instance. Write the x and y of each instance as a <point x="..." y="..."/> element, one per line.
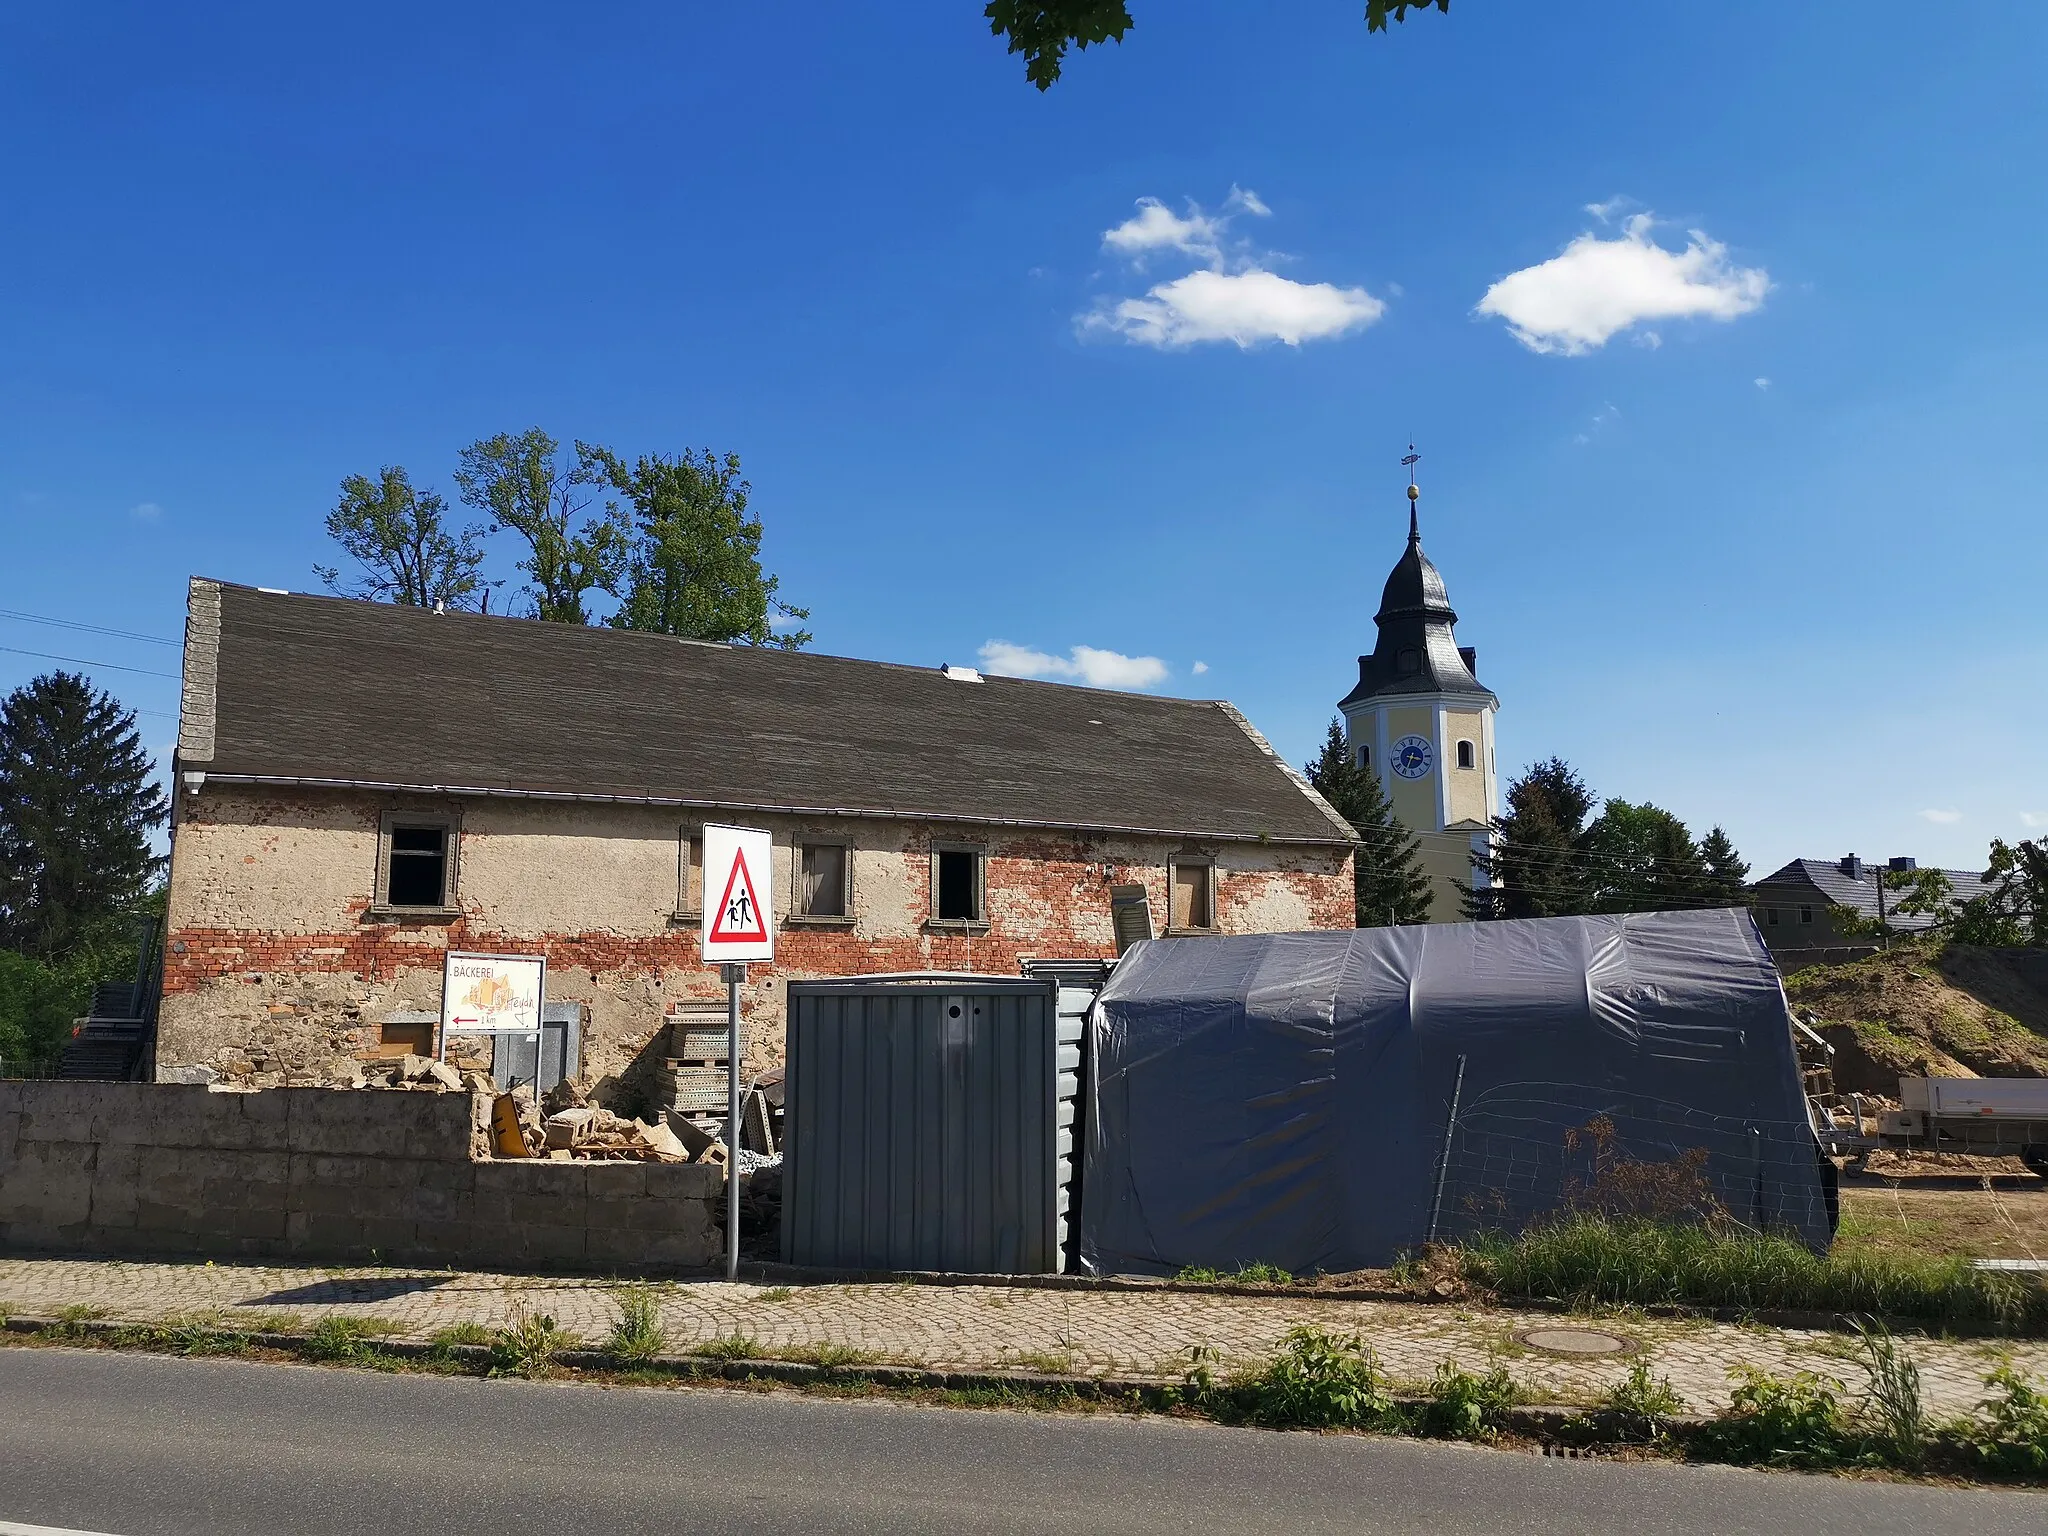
<point x="732" y="974"/>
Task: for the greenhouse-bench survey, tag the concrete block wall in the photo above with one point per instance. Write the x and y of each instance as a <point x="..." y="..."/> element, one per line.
<point x="315" y="1173"/>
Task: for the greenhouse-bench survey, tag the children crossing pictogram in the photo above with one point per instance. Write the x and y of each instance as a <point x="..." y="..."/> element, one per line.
<point x="738" y="919"/>
<point x="738" y="924"/>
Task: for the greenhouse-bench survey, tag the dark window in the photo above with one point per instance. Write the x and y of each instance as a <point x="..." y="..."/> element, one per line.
<point x="956" y="886"/>
<point x="418" y="874"/>
<point x="1365" y="757"/>
<point x="1771" y="917"/>
<point x="1806" y="914"/>
<point x="821" y="883"/>
<point x="1466" y="757"/>
<point x="1409" y="660"/>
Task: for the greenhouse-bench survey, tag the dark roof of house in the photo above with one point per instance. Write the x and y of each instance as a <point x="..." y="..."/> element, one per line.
<point x="1418" y="651"/>
<point x="1837" y="885"/>
<point x="335" y="691"/>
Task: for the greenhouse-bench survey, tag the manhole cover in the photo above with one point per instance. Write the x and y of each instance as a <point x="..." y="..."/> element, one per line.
<point x="1575" y="1341"/>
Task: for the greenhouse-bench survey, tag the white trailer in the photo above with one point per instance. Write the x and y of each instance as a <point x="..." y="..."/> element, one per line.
<point x="1984" y="1116"/>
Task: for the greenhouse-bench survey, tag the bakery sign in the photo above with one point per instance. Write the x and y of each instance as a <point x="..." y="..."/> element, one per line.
<point x="492" y="994"/>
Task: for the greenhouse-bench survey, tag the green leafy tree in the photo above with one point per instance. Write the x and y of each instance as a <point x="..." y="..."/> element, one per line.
<point x="1391" y="885"/>
<point x="77" y="806"/>
<point x="694" y="567"/>
<point x="2014" y="908"/>
<point x="1041" y="30"/>
<point x="1910" y="893"/>
<point x="1537" y="867"/>
<point x="526" y="484"/>
<point x="1641" y="858"/>
<point x="401" y="539"/>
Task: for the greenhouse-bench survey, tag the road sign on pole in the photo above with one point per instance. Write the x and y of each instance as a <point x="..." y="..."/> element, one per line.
<point x="739" y="925"/>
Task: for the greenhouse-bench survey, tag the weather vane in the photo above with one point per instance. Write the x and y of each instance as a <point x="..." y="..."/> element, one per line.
<point x="1408" y="461"/>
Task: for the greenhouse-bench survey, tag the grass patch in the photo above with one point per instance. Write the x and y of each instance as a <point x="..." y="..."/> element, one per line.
<point x="202" y="1333"/>
<point x="734" y="1346"/>
<point x="1589" y="1260"/>
<point x="638" y="1335"/>
<point x="271" y="1322"/>
<point x="829" y="1357"/>
<point x="458" y="1335"/>
<point x="1053" y="1362"/>
<point x="347" y="1340"/>
<point x="1244" y="1274"/>
<point x="776" y="1293"/>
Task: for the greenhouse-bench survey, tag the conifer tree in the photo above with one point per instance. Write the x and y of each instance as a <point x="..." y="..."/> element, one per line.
<point x="77" y="806"/>
<point x="1391" y="885"/>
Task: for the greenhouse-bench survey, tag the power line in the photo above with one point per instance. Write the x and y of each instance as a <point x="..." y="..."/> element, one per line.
<point x="79" y="661"/>
<point x="97" y="629"/>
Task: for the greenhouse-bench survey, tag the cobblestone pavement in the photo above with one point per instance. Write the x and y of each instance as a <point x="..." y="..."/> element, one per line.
<point x="974" y="1326"/>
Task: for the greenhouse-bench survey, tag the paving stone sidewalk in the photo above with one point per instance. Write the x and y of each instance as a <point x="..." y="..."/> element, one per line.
<point x="1125" y="1333"/>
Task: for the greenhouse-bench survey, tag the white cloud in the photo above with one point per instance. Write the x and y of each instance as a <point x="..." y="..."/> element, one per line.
<point x="1595" y="288"/>
<point x="1942" y="818"/>
<point x="782" y="622"/>
<point x="1156" y="227"/>
<point x="148" y="511"/>
<point x="1606" y="211"/>
<point x="1233" y="296"/>
<point x="1247" y="307"/>
<point x="2034" y="818"/>
<point x="1097" y="668"/>
<point x="1202" y="666"/>
<point x="1763" y="383"/>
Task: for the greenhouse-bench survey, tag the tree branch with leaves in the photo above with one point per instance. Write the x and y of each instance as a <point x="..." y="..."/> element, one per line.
<point x="401" y="540"/>
<point x="525" y="484"/>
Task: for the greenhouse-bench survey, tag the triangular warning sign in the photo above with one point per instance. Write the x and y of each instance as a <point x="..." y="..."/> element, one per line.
<point x="739" y="919"/>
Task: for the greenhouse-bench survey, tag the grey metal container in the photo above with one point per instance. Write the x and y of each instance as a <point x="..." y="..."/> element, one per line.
<point x="924" y="1124"/>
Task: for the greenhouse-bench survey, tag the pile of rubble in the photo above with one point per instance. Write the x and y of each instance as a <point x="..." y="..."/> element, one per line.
<point x="566" y="1126"/>
<point x="418" y="1072"/>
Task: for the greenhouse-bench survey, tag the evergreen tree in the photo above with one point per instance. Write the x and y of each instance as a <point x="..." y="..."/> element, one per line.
<point x="1391" y="886"/>
<point x="695" y="565"/>
<point x="1727" y="878"/>
<point x="1537" y="867"/>
<point x="76" y="810"/>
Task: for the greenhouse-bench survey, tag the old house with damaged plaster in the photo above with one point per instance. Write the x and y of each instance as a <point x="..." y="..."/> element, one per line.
<point x="363" y="787"/>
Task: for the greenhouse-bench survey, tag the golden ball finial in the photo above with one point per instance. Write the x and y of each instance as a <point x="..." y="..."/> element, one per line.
<point x="1414" y="491"/>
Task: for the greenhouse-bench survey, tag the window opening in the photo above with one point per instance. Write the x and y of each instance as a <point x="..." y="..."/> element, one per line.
<point x="1192" y="905"/>
<point x="958" y="886"/>
<point x="418" y="876"/>
<point x="821" y="888"/>
<point x="1466" y="756"/>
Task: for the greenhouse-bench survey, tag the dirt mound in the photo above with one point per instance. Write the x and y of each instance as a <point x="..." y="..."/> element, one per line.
<point x="1929" y="1011"/>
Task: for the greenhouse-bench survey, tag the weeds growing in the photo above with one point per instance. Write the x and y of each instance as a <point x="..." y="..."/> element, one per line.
<point x="1643" y="1405"/>
<point x="1891" y="1404"/>
<point x="529" y="1346"/>
<point x="1795" y="1421"/>
<point x="2009" y="1434"/>
<point x="1588" y="1259"/>
<point x="638" y="1335"/>
<point x="734" y="1346"/>
<point x="1462" y="1406"/>
<point x="1244" y="1274"/>
<point x="776" y="1293"/>
<point x="349" y="1340"/>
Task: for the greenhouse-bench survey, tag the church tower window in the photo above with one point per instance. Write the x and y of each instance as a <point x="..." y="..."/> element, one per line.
<point x="1466" y="758"/>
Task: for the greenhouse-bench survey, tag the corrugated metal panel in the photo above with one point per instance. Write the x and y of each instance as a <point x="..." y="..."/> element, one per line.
<point x="923" y="1126"/>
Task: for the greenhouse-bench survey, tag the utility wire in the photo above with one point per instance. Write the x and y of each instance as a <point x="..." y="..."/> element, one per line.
<point x="97" y="629"/>
<point x="79" y="661"/>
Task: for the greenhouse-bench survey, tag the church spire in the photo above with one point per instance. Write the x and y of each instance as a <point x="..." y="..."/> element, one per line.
<point x="1411" y="459"/>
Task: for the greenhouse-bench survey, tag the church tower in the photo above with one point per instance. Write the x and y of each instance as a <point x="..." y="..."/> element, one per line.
<point x="1424" y="723"/>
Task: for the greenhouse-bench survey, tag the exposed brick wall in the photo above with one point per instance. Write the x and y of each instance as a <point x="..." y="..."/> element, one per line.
<point x="275" y="965"/>
<point x="148" y="1168"/>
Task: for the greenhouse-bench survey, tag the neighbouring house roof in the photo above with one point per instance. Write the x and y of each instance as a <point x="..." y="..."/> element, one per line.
<point x="333" y="691"/>
<point x="1835" y="884"/>
<point x="1418" y="651"/>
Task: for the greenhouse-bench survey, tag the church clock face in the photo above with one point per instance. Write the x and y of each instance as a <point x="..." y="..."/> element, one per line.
<point x="1412" y="756"/>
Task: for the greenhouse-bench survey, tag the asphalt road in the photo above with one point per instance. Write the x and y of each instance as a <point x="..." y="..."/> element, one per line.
<point x="137" y="1445"/>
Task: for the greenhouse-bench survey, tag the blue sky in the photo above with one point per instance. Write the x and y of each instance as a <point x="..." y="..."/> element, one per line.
<point x="250" y="251"/>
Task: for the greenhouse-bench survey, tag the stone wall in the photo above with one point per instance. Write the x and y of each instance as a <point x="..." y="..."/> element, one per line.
<point x="315" y="1173"/>
<point x="278" y="970"/>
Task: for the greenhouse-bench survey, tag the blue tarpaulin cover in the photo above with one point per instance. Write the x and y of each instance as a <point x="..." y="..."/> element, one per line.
<point x="1287" y="1098"/>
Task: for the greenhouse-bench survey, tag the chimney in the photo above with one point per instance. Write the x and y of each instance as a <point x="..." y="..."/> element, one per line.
<point x="1904" y="863"/>
<point x="1852" y="867"/>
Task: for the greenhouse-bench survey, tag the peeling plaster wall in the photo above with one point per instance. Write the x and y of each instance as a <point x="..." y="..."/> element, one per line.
<point x="277" y="970"/>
